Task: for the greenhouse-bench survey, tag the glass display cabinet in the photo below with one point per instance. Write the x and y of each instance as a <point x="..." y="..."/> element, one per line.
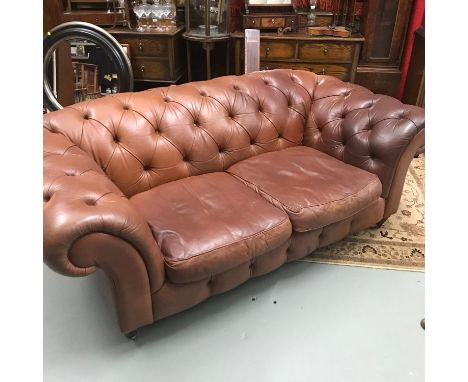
<point x="207" y="21"/>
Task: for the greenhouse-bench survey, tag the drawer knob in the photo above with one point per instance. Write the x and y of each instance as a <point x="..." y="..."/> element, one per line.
<point x="140" y="46"/>
<point x="267" y="68"/>
<point x="325" y="50"/>
<point x="323" y="71"/>
<point x="142" y="68"/>
<point x="273" y="21"/>
<point x="267" y="51"/>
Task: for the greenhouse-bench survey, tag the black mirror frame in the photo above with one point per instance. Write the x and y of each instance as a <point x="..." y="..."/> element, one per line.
<point x="93" y="33"/>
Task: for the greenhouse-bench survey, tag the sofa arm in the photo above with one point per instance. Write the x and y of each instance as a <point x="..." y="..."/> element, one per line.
<point x="83" y="209"/>
<point x="374" y="132"/>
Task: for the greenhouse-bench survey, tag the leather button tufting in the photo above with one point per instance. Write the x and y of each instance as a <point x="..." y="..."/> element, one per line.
<point x="86" y="116"/>
<point x="147" y="167"/>
<point x="116" y="139"/>
<point x="90" y="202"/>
<point x="203" y="94"/>
<point x="47" y="197"/>
<point x="235" y="87"/>
<point x="126" y="107"/>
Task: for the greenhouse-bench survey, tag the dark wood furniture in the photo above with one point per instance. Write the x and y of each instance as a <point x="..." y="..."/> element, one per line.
<point x="267" y="21"/>
<point x="155" y="56"/>
<point x="384" y="25"/>
<point x="415" y="80"/>
<point x="53" y="16"/>
<point x="208" y="45"/>
<point x="334" y="56"/>
<point x="98" y="12"/>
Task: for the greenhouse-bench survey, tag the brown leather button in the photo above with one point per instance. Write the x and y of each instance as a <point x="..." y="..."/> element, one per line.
<point x="126" y="107"/>
<point x="116" y="139"/>
<point x="47" y="197"/>
<point x="252" y="141"/>
<point x="235" y="87"/>
<point x="86" y="116"/>
<point x="203" y="94"/>
<point x="90" y="202"/>
<point x="147" y="167"/>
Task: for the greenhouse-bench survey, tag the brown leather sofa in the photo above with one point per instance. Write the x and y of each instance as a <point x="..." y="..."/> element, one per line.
<point x="183" y="192"/>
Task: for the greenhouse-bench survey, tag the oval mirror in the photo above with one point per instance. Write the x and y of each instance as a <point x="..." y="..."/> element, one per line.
<point x="82" y="61"/>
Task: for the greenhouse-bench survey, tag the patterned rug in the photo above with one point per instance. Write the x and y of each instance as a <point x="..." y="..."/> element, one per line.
<point x="398" y="244"/>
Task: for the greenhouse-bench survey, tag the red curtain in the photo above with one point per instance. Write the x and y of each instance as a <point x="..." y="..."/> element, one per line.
<point x="415" y="22"/>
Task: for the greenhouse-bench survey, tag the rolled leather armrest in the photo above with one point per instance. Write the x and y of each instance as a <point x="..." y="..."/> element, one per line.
<point x="80" y="201"/>
<point x="371" y="131"/>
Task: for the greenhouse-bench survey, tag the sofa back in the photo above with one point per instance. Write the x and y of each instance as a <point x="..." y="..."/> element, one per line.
<point x="148" y="138"/>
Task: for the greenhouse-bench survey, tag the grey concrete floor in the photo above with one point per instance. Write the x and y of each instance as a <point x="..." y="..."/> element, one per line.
<point x="330" y="324"/>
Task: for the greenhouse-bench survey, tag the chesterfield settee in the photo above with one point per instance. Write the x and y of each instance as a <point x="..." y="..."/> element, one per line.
<point x="187" y="191"/>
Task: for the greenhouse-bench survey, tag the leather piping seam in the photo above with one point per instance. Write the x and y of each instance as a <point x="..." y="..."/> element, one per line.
<point x="298" y="211"/>
<point x="218" y="273"/>
<point x="397" y="163"/>
<point x="343" y="219"/>
<point x="231" y="243"/>
<point x="399" y="159"/>
<point x="97" y="265"/>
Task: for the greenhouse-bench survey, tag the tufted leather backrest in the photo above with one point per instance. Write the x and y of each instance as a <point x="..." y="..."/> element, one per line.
<point x="148" y="138"/>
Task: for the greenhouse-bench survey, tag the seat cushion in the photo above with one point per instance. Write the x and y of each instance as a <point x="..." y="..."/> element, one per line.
<point x="210" y="223"/>
<point x="313" y="188"/>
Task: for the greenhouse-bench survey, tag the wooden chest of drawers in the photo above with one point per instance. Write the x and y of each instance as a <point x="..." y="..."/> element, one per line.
<point x="334" y="56"/>
<point x="155" y="56"/>
<point x="270" y="21"/>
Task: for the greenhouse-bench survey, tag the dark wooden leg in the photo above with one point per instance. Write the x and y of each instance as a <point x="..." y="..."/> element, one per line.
<point x="228" y="54"/>
<point x="208" y="46"/>
<point x="189" y="64"/>
<point x="381" y="223"/>
<point x="132" y="335"/>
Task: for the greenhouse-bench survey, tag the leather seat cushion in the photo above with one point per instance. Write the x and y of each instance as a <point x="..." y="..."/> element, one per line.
<point x="313" y="188"/>
<point x="209" y="224"/>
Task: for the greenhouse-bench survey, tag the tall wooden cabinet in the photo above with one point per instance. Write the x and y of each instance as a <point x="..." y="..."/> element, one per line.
<point x="384" y="25"/>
